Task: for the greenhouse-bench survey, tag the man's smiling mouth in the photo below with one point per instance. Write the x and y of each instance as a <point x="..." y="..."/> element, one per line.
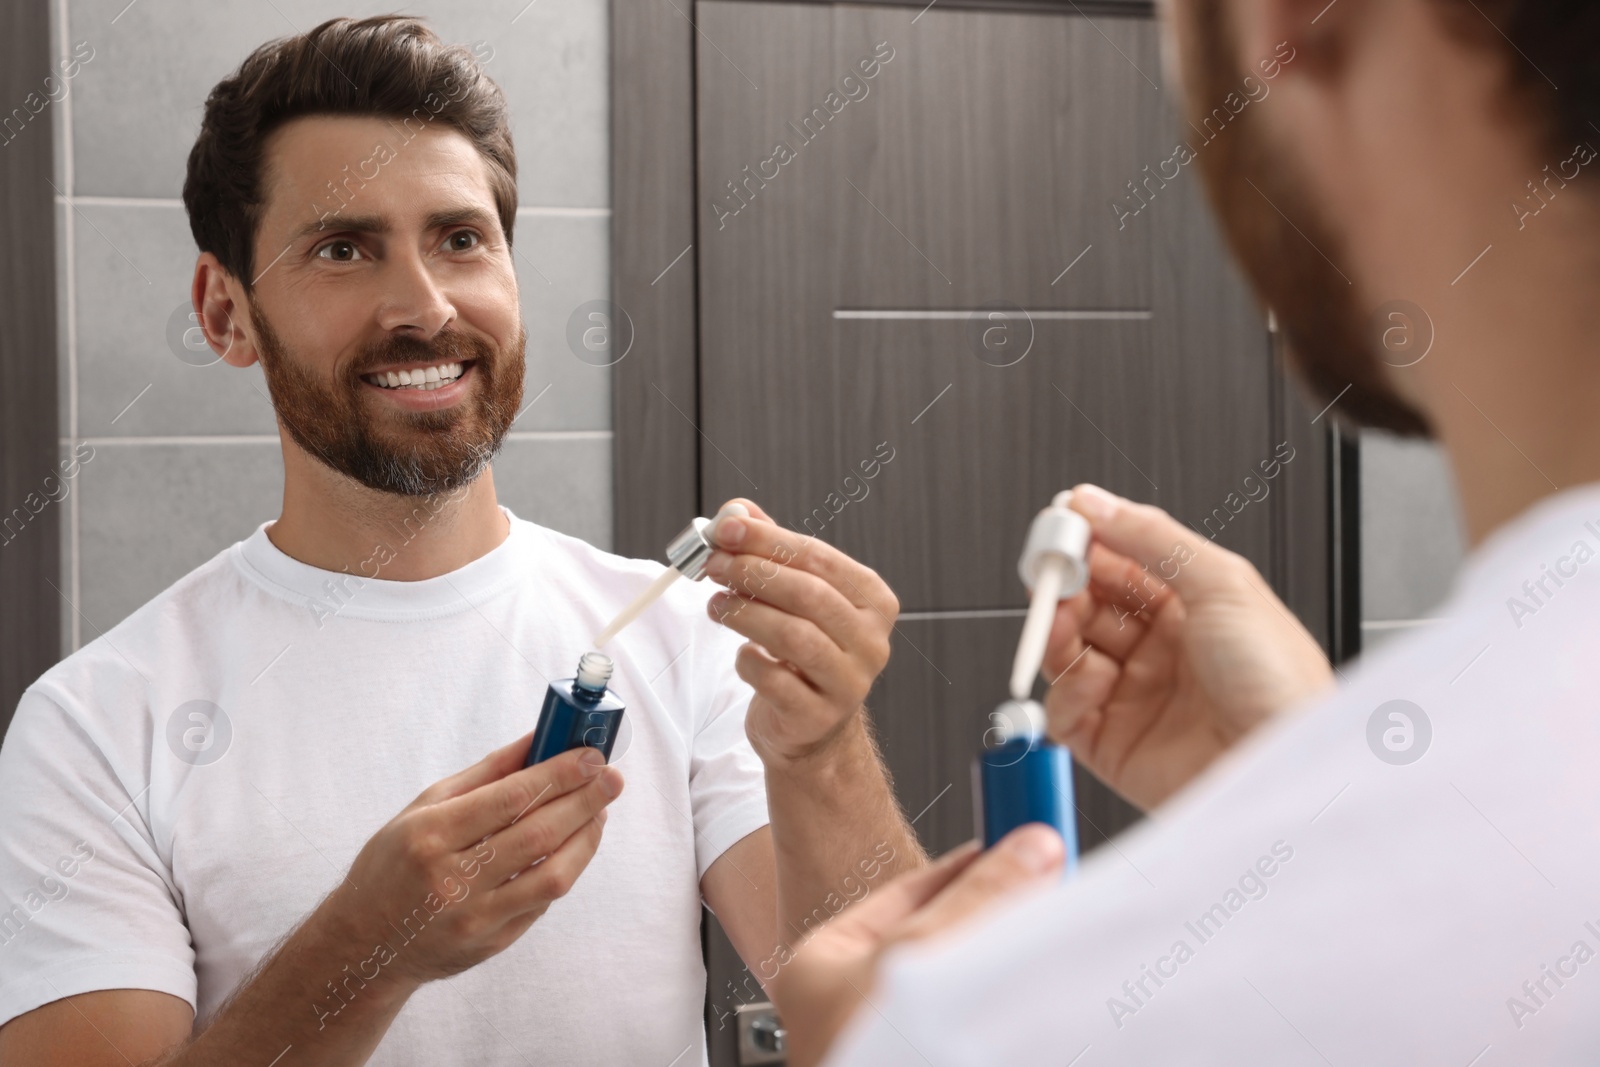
<point x="422" y="378"/>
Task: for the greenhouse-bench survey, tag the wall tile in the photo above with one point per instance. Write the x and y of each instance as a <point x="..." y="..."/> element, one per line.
<point x="134" y="266"/>
<point x="562" y="265"/>
<point x="139" y="101"/>
<point x="152" y="513"/>
<point x="553" y="62"/>
<point x="1411" y="535"/>
<point x="562" y="483"/>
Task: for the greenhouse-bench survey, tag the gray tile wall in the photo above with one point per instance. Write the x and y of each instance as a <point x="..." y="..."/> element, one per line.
<point x="186" y="458"/>
<point x="1411" y="535"/>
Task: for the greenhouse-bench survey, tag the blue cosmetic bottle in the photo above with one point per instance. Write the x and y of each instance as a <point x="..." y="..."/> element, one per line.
<point x="1022" y="777"/>
<point x="578" y="712"/>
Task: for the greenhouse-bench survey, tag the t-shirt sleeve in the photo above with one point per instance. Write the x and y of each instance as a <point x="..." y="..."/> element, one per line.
<point x="86" y="901"/>
<point x="727" y="784"/>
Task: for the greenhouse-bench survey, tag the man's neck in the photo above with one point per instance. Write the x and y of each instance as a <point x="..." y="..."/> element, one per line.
<point x="1513" y="380"/>
<point x="332" y="522"/>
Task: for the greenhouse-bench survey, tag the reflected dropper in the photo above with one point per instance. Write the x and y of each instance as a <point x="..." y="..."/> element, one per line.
<point x="1054" y="564"/>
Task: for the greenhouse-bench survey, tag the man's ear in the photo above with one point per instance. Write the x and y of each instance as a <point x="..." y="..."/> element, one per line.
<point x="222" y="310"/>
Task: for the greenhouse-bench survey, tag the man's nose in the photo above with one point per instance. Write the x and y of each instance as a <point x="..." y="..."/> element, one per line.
<point x="413" y="301"/>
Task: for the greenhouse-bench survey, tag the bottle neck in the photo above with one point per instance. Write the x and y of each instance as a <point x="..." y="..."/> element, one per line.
<point x="594" y="671"/>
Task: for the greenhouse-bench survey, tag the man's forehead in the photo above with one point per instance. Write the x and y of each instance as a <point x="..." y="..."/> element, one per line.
<point x="321" y="165"/>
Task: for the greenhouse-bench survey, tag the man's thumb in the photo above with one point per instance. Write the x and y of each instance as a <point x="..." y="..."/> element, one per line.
<point x="1021" y="858"/>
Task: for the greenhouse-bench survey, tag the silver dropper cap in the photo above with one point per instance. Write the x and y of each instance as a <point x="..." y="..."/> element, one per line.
<point x="690" y="551"/>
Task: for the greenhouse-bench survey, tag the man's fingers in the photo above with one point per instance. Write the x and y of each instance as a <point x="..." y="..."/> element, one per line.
<point x="887" y="906"/>
<point x="1119" y="581"/>
<point x="1150" y="537"/>
<point x="493" y="767"/>
<point x="1066" y="634"/>
<point x="749" y="505"/>
<point x="467" y="819"/>
<point x="546" y="826"/>
<point x="1114" y="631"/>
<point x="1074" y="703"/>
<point x="535" y="887"/>
<point x="792" y="639"/>
<point x="1023" y="857"/>
<point x="800" y="593"/>
<point x="759" y="536"/>
<point x="777" y="681"/>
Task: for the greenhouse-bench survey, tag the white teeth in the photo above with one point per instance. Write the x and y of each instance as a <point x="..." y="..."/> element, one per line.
<point x="426" y="379"/>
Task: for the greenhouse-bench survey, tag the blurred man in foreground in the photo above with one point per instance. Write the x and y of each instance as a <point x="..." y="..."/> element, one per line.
<point x="1406" y="870"/>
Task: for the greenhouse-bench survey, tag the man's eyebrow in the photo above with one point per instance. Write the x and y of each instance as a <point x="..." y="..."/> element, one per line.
<point x="333" y="222"/>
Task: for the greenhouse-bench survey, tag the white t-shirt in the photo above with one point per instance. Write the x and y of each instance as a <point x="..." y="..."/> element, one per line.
<point x="1308" y="901"/>
<point x="144" y="844"/>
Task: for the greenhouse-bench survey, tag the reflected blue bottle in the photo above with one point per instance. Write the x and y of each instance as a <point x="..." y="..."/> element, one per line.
<point x="1021" y="777"/>
<point x="578" y="712"/>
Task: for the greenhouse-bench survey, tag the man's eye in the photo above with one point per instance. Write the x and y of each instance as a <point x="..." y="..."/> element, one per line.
<point x="342" y="251"/>
<point x="462" y="240"/>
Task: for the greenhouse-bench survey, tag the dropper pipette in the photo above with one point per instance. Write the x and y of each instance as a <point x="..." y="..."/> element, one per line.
<point x="1054" y="564"/>
<point x="687" y="555"/>
<point x="651" y="594"/>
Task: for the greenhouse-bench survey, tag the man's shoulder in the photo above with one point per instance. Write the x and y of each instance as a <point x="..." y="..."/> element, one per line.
<point x="184" y="613"/>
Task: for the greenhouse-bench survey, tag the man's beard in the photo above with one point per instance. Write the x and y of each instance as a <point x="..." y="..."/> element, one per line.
<point x="1333" y="345"/>
<point x="424" y="452"/>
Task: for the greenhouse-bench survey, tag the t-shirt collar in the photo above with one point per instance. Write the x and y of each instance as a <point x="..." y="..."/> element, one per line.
<point x="356" y="593"/>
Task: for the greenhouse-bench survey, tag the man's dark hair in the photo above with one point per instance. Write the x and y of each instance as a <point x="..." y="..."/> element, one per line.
<point x="387" y="66"/>
<point x="1550" y="51"/>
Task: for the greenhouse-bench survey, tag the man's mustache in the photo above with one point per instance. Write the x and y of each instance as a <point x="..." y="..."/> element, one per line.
<point x="450" y="346"/>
